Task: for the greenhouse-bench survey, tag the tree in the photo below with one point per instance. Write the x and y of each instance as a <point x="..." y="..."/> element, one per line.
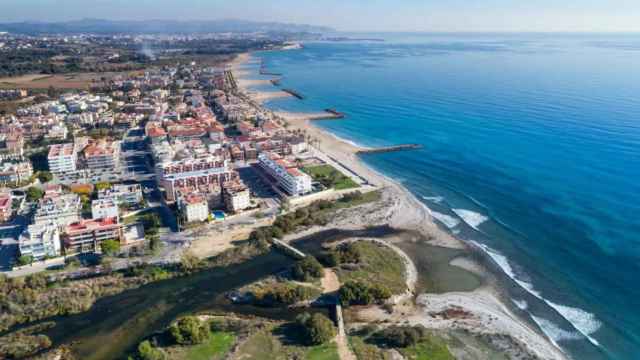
<point x="25" y="260"/>
<point x="402" y="336"/>
<point x="44" y="176"/>
<point x="103" y="185"/>
<point x="189" y="330"/>
<point x="110" y="247"/>
<point x="318" y="329"/>
<point x="34" y="194"/>
<point x="189" y="262"/>
<point x="359" y="293"/>
<point x="307" y="269"/>
<point x="146" y="351"/>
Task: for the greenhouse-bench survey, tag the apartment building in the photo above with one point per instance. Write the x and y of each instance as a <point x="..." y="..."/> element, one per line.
<point x="103" y="155"/>
<point x="288" y="177"/>
<point x="62" y="158"/>
<point x="206" y="173"/>
<point x="15" y="172"/>
<point x="86" y="236"/>
<point x="40" y="241"/>
<point x="6" y="209"/>
<point x="104" y="208"/>
<point x="123" y="194"/>
<point x="193" y="207"/>
<point x="237" y="197"/>
<point x="59" y="209"/>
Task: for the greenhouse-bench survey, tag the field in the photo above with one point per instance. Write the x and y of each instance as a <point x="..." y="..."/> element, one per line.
<point x="265" y="344"/>
<point x="379" y="265"/>
<point x="430" y="348"/>
<point x="328" y="176"/>
<point x="61" y="81"/>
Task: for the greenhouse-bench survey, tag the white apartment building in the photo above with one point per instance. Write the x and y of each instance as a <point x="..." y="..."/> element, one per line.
<point x="236" y="198"/>
<point x="103" y="155"/>
<point x="60" y="209"/>
<point x="289" y="178"/>
<point x="194" y="207"/>
<point x="40" y="241"/>
<point x="62" y="158"/>
<point x="104" y="208"/>
<point x="122" y="194"/>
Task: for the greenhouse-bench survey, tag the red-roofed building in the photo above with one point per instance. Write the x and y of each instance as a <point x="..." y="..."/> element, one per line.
<point x="193" y="207"/>
<point x="86" y="236"/>
<point x="5" y="207"/>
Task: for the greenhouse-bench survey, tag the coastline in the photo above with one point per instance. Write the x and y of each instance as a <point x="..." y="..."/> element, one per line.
<point x="491" y="312"/>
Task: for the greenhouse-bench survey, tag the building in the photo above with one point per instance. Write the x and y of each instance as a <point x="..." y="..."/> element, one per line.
<point x="103" y="155"/>
<point x="40" y="241"/>
<point x="193" y="207"/>
<point x="104" y="208"/>
<point x="62" y="158"/>
<point x="86" y="236"/>
<point x="15" y="173"/>
<point x="123" y="194"/>
<point x="59" y="209"/>
<point x="237" y="197"/>
<point x="288" y="177"/>
<point x="6" y="210"/>
<point x="192" y="174"/>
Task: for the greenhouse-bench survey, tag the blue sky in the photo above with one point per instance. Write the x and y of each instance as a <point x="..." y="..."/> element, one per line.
<point x="357" y="15"/>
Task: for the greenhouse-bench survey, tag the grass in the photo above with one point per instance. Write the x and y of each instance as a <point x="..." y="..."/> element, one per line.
<point x="364" y="351"/>
<point x="215" y="348"/>
<point x="378" y="265"/>
<point x="264" y="344"/>
<point x="330" y="177"/>
<point x="430" y="348"/>
<point x="327" y="351"/>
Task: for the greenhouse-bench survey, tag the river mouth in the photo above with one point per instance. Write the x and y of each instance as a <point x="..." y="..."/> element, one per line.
<point x="116" y="324"/>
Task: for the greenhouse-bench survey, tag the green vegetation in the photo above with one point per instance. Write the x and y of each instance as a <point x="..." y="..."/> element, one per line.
<point x="284" y="294"/>
<point x="330" y="177"/>
<point x="146" y="351"/>
<point x="25" y="260"/>
<point x="371" y="263"/>
<point x="317" y="328"/>
<point x="110" y="247"/>
<point x="34" y="194"/>
<point x="328" y="351"/>
<point x="414" y="342"/>
<point x="44" y="176"/>
<point x="359" y="293"/>
<point x="103" y="185"/>
<point x="364" y="351"/>
<point x="25" y="342"/>
<point x="189" y="330"/>
<point x="307" y="269"/>
<point x="218" y="344"/>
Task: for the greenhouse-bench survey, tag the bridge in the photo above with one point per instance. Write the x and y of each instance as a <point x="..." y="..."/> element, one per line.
<point x="288" y="249"/>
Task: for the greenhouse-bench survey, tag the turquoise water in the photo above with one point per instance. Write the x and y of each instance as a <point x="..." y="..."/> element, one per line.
<point x="531" y="149"/>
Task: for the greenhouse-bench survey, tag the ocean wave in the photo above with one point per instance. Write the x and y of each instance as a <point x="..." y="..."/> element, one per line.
<point x="554" y="332"/>
<point x="435" y="199"/>
<point x="448" y="221"/>
<point x="521" y="304"/>
<point x="586" y="323"/>
<point x="472" y="218"/>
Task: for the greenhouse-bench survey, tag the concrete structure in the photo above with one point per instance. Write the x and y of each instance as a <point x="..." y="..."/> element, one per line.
<point x="122" y="194"/>
<point x="104" y="208"/>
<point x="62" y="158"/>
<point x="86" y="236"/>
<point x="6" y="210"/>
<point x="237" y="197"/>
<point x="192" y="174"/>
<point x="59" y="209"/>
<point x="40" y="241"/>
<point x="288" y="177"/>
<point x="193" y="207"/>
<point x="103" y="155"/>
<point x="15" y="173"/>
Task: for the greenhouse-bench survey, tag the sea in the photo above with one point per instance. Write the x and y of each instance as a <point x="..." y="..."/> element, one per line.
<point x="531" y="151"/>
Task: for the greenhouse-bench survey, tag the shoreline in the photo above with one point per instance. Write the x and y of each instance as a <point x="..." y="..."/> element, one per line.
<point x="492" y="313"/>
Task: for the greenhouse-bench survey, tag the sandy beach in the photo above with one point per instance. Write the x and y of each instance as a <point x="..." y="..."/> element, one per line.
<point x="400" y="209"/>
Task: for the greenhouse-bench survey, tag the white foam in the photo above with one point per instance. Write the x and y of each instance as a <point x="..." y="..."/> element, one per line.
<point x="583" y="321"/>
<point x="521" y="304"/>
<point x="472" y="218"/>
<point x="554" y="332"/>
<point x="448" y="221"/>
<point x="435" y="199"/>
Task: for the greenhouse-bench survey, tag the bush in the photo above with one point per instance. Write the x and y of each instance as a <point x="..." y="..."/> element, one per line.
<point x="110" y="247"/>
<point x="25" y="260"/>
<point x="307" y="269"/>
<point x="34" y="194"/>
<point x="358" y="293"/>
<point x="146" y="351"/>
<point x="318" y="329"/>
<point x="189" y="331"/>
<point x="329" y="259"/>
<point x="190" y="263"/>
<point x="401" y="336"/>
<point x="286" y="294"/>
<point x="44" y="176"/>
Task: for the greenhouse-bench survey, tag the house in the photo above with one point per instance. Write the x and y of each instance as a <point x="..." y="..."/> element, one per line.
<point x="194" y="207"/>
<point x="40" y="241"/>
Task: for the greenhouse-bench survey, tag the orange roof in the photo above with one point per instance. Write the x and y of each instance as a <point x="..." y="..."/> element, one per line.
<point x="157" y="132"/>
<point x="94" y="224"/>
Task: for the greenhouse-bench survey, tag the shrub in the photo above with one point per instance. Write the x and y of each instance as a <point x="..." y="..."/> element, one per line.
<point x="318" y="329"/>
<point x="110" y="247"/>
<point x="34" y="194"/>
<point x="189" y="330"/>
<point x="25" y="260"/>
<point x="401" y="336"/>
<point x="44" y="176"/>
<point x="286" y="294"/>
<point x="146" y="351"/>
<point x="307" y="269"/>
<point x="359" y="293"/>
<point x="329" y="259"/>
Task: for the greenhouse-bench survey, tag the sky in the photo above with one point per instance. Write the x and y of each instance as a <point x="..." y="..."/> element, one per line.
<point x="354" y="15"/>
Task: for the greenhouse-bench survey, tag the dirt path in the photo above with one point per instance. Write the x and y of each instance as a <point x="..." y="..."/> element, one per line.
<point x="330" y="282"/>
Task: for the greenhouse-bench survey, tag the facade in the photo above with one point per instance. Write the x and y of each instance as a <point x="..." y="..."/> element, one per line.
<point x="289" y="178"/>
<point x="6" y="210"/>
<point x="237" y="197"/>
<point x="194" y="208"/>
<point x="104" y="208"/>
<point x="15" y="173"/>
<point x="122" y="194"/>
<point x="103" y="155"/>
<point x="40" y="241"/>
<point x="59" y="209"/>
<point x="86" y="236"/>
<point x="62" y="158"/>
<point x="207" y="173"/>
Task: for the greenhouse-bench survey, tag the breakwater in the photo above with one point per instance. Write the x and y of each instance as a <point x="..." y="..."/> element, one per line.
<point x="294" y="93"/>
<point x="393" y="148"/>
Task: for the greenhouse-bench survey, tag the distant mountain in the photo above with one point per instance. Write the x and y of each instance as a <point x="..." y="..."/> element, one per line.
<point x="99" y="26"/>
